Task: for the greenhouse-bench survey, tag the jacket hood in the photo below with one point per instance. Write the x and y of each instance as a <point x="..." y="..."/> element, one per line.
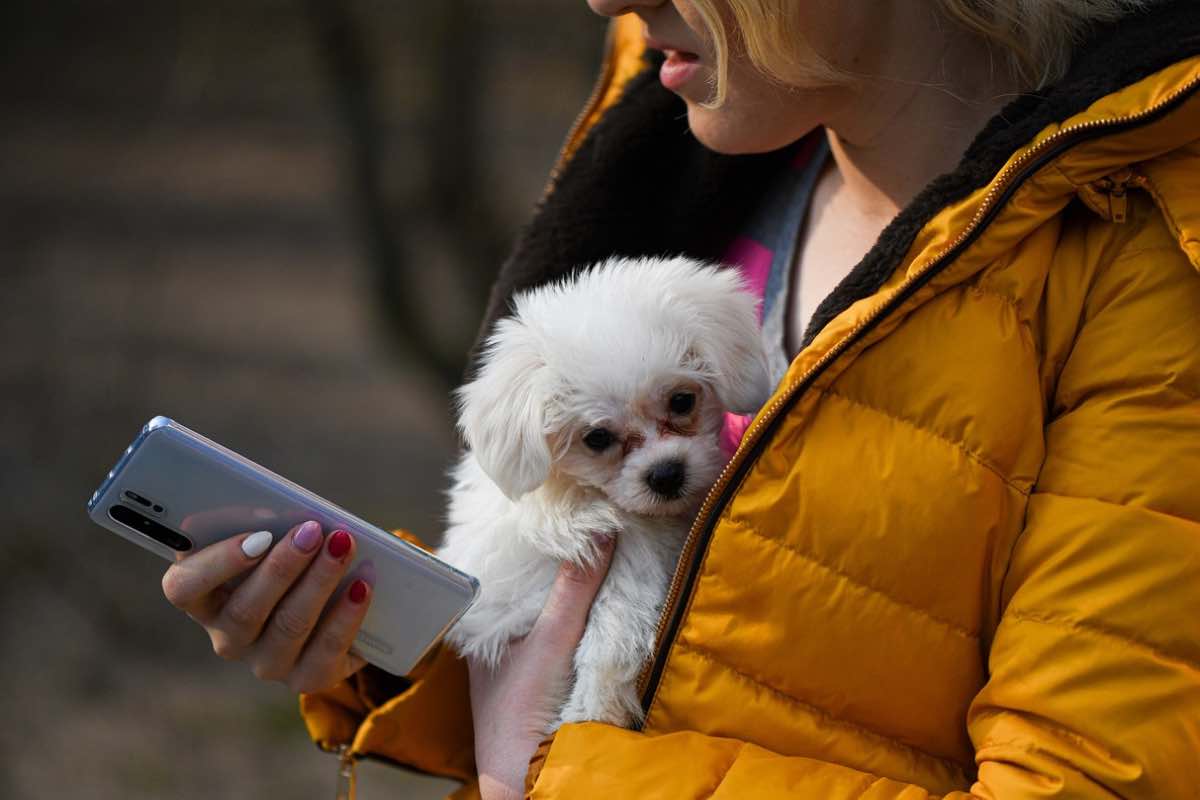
<point x="639" y="184"/>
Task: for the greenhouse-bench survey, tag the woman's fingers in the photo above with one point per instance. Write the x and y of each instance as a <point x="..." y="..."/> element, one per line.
<point x="242" y="617"/>
<point x="189" y="583"/>
<point x="327" y="658"/>
<point x="564" y="617"/>
<point x="295" y="616"/>
<point x="273" y="619"/>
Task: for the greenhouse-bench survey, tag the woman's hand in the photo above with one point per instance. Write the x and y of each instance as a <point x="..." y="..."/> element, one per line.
<point x="272" y="620"/>
<point x="513" y="704"/>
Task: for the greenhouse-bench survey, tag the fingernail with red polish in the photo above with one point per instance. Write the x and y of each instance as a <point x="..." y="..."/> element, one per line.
<point x="358" y="591"/>
<point x="339" y="544"/>
<point x="307" y="537"/>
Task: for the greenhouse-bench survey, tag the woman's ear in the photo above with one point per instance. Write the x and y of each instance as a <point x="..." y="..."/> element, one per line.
<point x="502" y="414"/>
<point x="725" y="337"/>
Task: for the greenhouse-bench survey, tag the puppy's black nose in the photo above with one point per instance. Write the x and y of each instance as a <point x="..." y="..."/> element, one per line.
<point x="666" y="478"/>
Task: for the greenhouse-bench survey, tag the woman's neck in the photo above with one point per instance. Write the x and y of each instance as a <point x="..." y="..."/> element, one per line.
<point x="894" y="135"/>
<point x="888" y="139"/>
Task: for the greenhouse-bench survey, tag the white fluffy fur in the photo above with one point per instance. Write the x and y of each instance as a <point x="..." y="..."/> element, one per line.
<point x="606" y="348"/>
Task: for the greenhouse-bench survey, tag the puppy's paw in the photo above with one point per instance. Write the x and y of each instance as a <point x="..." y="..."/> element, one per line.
<point x="582" y="712"/>
<point x="610" y="703"/>
<point x="597" y="516"/>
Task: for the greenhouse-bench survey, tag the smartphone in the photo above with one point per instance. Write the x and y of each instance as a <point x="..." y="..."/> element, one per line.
<point x="174" y="491"/>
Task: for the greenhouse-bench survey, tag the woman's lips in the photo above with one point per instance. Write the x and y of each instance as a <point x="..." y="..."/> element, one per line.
<point x="678" y="68"/>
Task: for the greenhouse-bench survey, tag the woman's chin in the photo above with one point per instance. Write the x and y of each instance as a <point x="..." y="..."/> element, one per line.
<point x="724" y="130"/>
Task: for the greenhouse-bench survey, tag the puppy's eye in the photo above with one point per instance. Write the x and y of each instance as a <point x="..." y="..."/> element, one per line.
<point x="682" y="402"/>
<point x="598" y="439"/>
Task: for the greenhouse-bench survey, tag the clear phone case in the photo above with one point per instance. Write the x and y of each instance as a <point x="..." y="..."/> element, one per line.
<point x="190" y="492"/>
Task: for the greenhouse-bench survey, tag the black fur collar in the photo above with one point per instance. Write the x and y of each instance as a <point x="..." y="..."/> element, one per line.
<point x="640" y="184"/>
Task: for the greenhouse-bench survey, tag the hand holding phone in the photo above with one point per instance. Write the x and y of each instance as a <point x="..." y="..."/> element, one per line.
<point x="285" y="618"/>
<point x="297" y="587"/>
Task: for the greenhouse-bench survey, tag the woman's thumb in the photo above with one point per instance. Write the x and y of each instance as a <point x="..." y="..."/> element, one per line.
<point x="565" y="614"/>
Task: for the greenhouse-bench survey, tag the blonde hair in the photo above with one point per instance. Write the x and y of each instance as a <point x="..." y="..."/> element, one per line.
<point x="1036" y="37"/>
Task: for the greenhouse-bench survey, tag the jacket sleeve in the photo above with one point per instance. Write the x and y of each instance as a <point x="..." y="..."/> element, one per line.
<point x="421" y="721"/>
<point x="1094" y="666"/>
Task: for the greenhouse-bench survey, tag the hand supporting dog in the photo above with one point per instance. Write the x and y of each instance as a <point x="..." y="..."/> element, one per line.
<point x="512" y="702"/>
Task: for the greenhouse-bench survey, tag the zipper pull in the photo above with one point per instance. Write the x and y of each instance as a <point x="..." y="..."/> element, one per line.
<point x="345" y="778"/>
<point x="1116" y="187"/>
<point x="1118" y="204"/>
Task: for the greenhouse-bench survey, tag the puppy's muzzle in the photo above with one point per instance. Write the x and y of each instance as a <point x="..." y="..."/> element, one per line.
<point x="666" y="479"/>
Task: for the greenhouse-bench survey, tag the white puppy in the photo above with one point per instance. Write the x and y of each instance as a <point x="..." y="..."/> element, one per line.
<point x="597" y="409"/>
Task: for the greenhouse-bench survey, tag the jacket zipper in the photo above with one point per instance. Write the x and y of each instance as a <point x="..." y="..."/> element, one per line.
<point x="607" y="68"/>
<point x="752" y="443"/>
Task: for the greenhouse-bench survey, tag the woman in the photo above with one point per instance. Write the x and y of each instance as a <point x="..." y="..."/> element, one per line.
<point x="959" y="551"/>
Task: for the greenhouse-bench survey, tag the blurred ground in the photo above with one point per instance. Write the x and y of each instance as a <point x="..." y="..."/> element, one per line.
<point x="177" y="237"/>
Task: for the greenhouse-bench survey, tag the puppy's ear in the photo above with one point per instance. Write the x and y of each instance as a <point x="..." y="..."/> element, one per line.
<point x="502" y="413"/>
<point x="725" y="336"/>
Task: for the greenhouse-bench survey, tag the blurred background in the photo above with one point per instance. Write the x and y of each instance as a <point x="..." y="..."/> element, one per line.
<point x="275" y="221"/>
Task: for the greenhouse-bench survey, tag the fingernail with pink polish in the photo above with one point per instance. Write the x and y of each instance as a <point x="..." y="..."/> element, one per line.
<point x="307" y="537"/>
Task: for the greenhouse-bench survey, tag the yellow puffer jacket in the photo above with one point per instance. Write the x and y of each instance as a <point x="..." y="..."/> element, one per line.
<point x="958" y="553"/>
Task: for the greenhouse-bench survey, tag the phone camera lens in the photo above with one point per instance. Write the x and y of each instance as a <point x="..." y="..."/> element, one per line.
<point x="144" y="525"/>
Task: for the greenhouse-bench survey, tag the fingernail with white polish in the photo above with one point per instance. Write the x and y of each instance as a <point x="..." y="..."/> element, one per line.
<point x="256" y="544"/>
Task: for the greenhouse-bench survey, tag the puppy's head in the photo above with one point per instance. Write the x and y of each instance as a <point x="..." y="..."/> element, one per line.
<point x="618" y="379"/>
